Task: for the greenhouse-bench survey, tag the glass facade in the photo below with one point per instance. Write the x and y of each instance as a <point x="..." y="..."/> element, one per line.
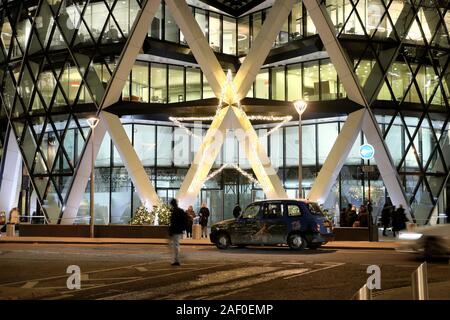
<point x="167" y="165"/>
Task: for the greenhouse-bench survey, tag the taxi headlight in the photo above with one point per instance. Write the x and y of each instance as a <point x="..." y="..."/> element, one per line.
<point x="410" y="236"/>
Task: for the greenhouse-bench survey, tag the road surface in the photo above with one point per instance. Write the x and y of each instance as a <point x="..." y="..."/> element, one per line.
<point x="38" y="271"/>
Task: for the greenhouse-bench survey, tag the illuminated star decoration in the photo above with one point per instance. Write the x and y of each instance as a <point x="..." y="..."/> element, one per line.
<point x="229" y="84"/>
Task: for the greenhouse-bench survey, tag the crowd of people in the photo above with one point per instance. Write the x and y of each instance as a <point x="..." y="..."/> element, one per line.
<point x="351" y="218"/>
<point x="395" y="217"/>
<point x="391" y="217"/>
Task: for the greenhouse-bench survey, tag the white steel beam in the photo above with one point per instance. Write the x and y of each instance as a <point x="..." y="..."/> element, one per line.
<point x="230" y="118"/>
<point x="338" y="56"/>
<point x="197" y="42"/>
<point x="82" y="176"/>
<point x="261" y="46"/>
<point x="384" y="162"/>
<point x="129" y="53"/>
<point x="337" y="156"/>
<point x="344" y="69"/>
<point x="112" y="94"/>
<point x="12" y="175"/>
<point x="130" y="159"/>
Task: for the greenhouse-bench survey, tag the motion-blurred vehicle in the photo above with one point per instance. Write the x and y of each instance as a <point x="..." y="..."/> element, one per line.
<point x="298" y="223"/>
<point x="429" y="241"/>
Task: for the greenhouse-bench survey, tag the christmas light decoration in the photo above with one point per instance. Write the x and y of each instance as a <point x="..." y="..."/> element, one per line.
<point x="237" y="168"/>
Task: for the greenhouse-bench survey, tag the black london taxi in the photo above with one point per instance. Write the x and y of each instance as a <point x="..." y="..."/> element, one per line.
<point x="297" y="223"/>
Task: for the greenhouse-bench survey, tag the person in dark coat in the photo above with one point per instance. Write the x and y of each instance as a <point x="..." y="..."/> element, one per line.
<point x="363" y="217"/>
<point x="399" y="220"/>
<point x="237" y="211"/>
<point x="351" y="216"/>
<point x="344" y="215"/>
<point x="190" y="221"/>
<point x="204" y="216"/>
<point x="178" y="224"/>
<point x="386" y="215"/>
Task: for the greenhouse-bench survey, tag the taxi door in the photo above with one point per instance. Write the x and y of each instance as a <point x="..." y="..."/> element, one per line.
<point x="246" y="225"/>
<point x="272" y="226"/>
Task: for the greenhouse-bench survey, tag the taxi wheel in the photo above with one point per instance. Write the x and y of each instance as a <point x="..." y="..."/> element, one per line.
<point x="223" y="241"/>
<point x="296" y="242"/>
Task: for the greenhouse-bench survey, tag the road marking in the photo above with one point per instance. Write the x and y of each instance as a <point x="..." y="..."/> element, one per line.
<point x="142" y="269"/>
<point x="89" y="272"/>
<point x="144" y="278"/>
<point x="30" y="284"/>
<point x="293" y="263"/>
<point x="224" y="294"/>
<point x="315" y="270"/>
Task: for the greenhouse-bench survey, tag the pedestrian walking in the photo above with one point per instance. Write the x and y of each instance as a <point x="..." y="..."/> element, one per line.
<point x="178" y="224"/>
<point x="399" y="220"/>
<point x="190" y="220"/>
<point x="237" y="210"/>
<point x="386" y="216"/>
<point x="204" y="216"/>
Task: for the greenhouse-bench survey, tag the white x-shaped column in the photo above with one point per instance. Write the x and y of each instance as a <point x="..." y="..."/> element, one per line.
<point x="360" y="120"/>
<point x="111" y="123"/>
<point x="230" y="117"/>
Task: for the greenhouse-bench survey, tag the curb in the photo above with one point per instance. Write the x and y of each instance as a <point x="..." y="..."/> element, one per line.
<point x="165" y="243"/>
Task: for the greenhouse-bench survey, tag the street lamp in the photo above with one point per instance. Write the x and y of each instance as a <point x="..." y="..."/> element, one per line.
<point x="93" y="122"/>
<point x="300" y="106"/>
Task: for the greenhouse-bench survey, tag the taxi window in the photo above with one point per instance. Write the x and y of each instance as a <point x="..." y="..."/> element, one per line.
<point x="294" y="210"/>
<point x="272" y="210"/>
<point x="251" y="212"/>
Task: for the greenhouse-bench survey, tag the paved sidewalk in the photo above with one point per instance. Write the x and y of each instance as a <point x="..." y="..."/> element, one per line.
<point x="382" y="245"/>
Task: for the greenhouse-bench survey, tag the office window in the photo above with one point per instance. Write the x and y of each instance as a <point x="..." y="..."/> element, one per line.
<point x="193" y="84"/>
<point x="294" y="82"/>
<point x="311" y="81"/>
<point x="229" y="35"/>
<point x="139" y="82"/>
<point x="296" y="21"/>
<point x="158" y="88"/>
<point x="243" y="35"/>
<point x="328" y="133"/>
<point x="164" y="146"/>
<point x="144" y="143"/>
<point x="176" y="84"/>
<point x="171" y="32"/>
<point x="214" y="31"/>
<point x="262" y="84"/>
<point x="200" y="16"/>
<point x="328" y="80"/>
<point x="278" y="84"/>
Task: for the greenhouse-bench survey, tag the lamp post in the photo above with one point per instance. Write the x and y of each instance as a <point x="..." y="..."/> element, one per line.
<point x="300" y="106"/>
<point x="93" y="122"/>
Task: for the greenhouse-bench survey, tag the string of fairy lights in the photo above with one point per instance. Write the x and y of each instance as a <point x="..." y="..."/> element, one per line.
<point x="233" y="166"/>
<point x="178" y="121"/>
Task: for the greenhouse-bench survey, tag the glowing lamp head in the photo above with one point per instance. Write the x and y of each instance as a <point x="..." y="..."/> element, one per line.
<point x="300" y="106"/>
<point x="93" y="122"/>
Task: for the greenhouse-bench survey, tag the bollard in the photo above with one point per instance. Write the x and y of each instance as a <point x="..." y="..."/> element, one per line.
<point x="420" y="283"/>
<point x="363" y="294"/>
